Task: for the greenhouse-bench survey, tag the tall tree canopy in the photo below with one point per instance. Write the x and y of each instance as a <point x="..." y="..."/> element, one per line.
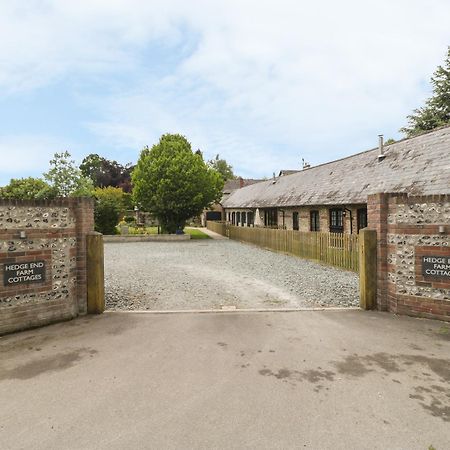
<point x="221" y="166"/>
<point x="174" y="183"/>
<point x="104" y="172"/>
<point x="436" y="111"/>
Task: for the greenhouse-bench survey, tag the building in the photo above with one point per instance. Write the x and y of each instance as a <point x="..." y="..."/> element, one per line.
<point x="216" y="211"/>
<point x="332" y="197"/>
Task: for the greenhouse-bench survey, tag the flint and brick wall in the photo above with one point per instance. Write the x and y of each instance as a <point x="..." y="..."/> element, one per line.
<point x="408" y="229"/>
<point x="56" y="234"/>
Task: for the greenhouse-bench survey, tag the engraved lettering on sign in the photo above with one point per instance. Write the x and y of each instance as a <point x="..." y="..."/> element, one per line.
<point x="23" y="272"/>
<point x="436" y="266"/>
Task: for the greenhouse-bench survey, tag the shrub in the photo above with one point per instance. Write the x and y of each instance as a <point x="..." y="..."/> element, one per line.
<point x="108" y="207"/>
<point x="106" y="215"/>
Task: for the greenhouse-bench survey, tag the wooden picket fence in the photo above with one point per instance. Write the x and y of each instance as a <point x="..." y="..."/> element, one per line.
<point x="336" y="249"/>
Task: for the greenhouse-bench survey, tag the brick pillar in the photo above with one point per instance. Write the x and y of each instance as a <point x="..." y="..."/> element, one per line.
<point x="84" y="213"/>
<point x="377" y="214"/>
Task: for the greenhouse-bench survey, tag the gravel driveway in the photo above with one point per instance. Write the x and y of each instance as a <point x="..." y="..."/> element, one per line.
<point x="210" y="274"/>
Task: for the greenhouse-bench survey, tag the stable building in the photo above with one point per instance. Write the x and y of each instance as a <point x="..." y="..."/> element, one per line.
<point x="332" y="197"/>
<point x="216" y="211"/>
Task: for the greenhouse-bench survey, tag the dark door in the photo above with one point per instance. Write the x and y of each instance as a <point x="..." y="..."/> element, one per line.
<point x="362" y="218"/>
<point x="295" y="221"/>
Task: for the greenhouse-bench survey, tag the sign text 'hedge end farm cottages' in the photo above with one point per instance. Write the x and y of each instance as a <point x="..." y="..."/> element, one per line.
<point x="436" y="266"/>
<point x="24" y="272"/>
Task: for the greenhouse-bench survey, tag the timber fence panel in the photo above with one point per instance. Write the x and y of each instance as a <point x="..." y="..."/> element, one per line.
<point x="217" y="227"/>
<point x="336" y="249"/>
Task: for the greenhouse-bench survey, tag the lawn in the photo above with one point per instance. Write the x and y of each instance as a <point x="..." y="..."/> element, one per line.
<point x="142" y="230"/>
<point x="196" y="234"/>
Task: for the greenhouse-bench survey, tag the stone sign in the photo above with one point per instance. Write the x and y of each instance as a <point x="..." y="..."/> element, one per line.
<point x="23" y="272"/>
<point x="436" y="266"/>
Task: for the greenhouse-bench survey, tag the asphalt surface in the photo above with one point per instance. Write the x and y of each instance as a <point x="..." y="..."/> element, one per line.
<point x="317" y="380"/>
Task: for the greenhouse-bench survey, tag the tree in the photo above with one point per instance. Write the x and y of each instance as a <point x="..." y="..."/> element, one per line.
<point x="221" y="166"/>
<point x="109" y="204"/>
<point x="91" y="166"/>
<point x="173" y="183"/>
<point x="436" y="111"/>
<point x="114" y="195"/>
<point x="28" y="189"/>
<point x="104" y="172"/>
<point x="66" y="178"/>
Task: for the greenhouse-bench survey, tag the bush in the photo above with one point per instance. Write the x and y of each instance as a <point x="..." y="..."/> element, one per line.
<point x="106" y="215"/>
<point x="108" y="208"/>
<point x="129" y="219"/>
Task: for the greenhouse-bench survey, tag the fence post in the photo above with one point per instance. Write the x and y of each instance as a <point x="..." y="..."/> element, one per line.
<point x="367" y="268"/>
<point x="95" y="273"/>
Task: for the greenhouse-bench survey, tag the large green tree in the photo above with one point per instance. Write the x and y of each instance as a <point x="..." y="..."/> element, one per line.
<point x="173" y="183"/>
<point x="27" y="189"/>
<point x="436" y="111"/>
<point x="221" y="166"/>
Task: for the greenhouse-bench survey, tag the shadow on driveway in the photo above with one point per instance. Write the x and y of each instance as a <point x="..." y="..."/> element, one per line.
<point x="323" y="379"/>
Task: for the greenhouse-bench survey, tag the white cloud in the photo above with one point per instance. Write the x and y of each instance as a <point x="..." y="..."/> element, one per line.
<point x="263" y="77"/>
<point x="25" y="155"/>
<point x="29" y="155"/>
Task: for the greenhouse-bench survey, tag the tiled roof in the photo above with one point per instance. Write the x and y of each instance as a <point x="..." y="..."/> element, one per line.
<point x="417" y="166"/>
<point x="231" y="185"/>
<point x="287" y="172"/>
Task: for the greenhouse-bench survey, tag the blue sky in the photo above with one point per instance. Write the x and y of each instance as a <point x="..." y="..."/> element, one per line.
<point x="262" y="83"/>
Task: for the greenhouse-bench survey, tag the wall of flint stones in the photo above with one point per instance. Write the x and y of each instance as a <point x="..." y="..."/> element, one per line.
<point x="408" y="229"/>
<point x="404" y="260"/>
<point x="54" y="233"/>
<point x="416" y="214"/>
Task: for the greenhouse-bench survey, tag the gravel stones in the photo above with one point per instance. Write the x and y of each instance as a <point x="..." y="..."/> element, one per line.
<point x="212" y="274"/>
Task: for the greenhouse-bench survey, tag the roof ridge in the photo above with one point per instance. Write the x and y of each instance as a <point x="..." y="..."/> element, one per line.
<point x="376" y="148"/>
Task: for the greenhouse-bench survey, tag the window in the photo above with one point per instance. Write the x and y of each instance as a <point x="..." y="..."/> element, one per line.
<point x="233" y="218"/>
<point x="238" y="218"/>
<point x="244" y="218"/>
<point x="295" y="221"/>
<point x="314" y="221"/>
<point x="270" y="218"/>
<point x="250" y="219"/>
<point x="362" y="218"/>
<point x="336" y="220"/>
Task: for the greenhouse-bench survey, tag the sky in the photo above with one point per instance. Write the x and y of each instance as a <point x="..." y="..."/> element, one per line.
<point x="261" y="83"/>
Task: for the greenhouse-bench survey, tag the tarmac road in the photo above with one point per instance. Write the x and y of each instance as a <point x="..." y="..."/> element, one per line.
<point x="309" y="379"/>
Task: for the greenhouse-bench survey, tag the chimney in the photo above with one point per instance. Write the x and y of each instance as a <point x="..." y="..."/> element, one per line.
<point x="381" y="154"/>
<point x="241" y="182"/>
<point x="305" y="165"/>
<point x="274" y="180"/>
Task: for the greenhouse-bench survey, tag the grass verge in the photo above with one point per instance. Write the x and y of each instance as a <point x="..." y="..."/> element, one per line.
<point x="196" y="234"/>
